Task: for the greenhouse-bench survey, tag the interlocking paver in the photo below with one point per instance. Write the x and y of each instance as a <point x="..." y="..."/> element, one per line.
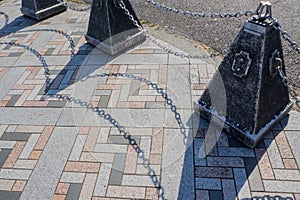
<point x="70" y="152"/>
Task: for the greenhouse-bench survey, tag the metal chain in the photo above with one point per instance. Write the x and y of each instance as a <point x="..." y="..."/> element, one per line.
<point x="156" y="42"/>
<point x="39" y="56"/>
<point x="286" y="82"/>
<point x="73" y="8"/>
<point x="294" y="45"/>
<point x="121" y="129"/>
<point x="159" y="90"/>
<point x="6" y="17"/>
<point x="247" y="13"/>
<point x="67" y="36"/>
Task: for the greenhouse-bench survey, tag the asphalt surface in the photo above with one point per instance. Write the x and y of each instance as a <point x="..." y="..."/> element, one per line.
<point x="219" y="33"/>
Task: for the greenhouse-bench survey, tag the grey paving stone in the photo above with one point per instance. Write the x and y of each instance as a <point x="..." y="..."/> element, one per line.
<point x="15" y="136"/>
<point x="274" y="154"/>
<point x="154" y="105"/>
<point x="71" y="117"/>
<point x="15" y="174"/>
<point x="236" y="152"/>
<point x="228" y="187"/>
<point x="115" y="139"/>
<point x="9" y="79"/>
<point x="134" y="87"/>
<point x="13" y="100"/>
<point x="29" y="146"/>
<point x="215" y="194"/>
<point x="7" y="61"/>
<point x="294" y="141"/>
<point x="49" y="168"/>
<point x="117" y="169"/>
<point x="202" y="194"/>
<point x="7" y="144"/>
<point x="241" y="183"/>
<point x="110" y="148"/>
<point x="4" y="153"/>
<point x="143" y="59"/>
<point x="134" y="180"/>
<point x="77" y="148"/>
<point x="102" y="181"/>
<point x="213" y="172"/>
<point x="102" y="92"/>
<point x="282" y="186"/>
<point x="74" y="191"/>
<point x="56" y="104"/>
<point x="9" y="195"/>
<point x="208" y="183"/>
<point x="103" y="101"/>
<point x="225" y="162"/>
<point x="253" y="174"/>
<point x="72" y="177"/>
<point x="199" y="152"/>
<point x="29" y="116"/>
<point x="177" y="176"/>
<point x="291" y="123"/>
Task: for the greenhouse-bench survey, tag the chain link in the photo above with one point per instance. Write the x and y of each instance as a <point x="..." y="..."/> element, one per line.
<point x="165" y="48"/>
<point x="164" y="7"/>
<point x="6" y="18"/>
<point x="286" y="82"/>
<point x="122" y="131"/>
<point x="73" y="8"/>
<point x="67" y="36"/>
<point x="294" y="45"/>
<point x="158" y="89"/>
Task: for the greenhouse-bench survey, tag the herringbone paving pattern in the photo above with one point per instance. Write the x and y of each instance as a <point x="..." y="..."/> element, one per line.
<point x="53" y="149"/>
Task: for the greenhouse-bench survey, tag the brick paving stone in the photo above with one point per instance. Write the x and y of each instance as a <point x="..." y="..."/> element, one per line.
<point x="58" y="197"/>
<point x="88" y="187"/>
<point x="253" y="174"/>
<point x="74" y="191"/>
<point x="215" y="194"/>
<point x="293" y="139"/>
<point x="19" y="186"/>
<point x="117" y="170"/>
<point x="4" y="195"/>
<point x="126" y="192"/>
<point x="29" y="146"/>
<point x="236" y="152"/>
<point x="281" y="186"/>
<point x="228" y="187"/>
<point x="77" y="148"/>
<point x="82" y="167"/>
<point x="14" y="174"/>
<point x="12" y="158"/>
<point x="208" y="183"/>
<point x="6" y="184"/>
<point x="133" y="180"/>
<point x="264" y="164"/>
<point x="241" y="183"/>
<point x="282" y="174"/>
<point x="202" y="195"/>
<point x="213" y="172"/>
<point x="225" y="162"/>
<point x="25" y="164"/>
<point x="274" y="154"/>
<point x="131" y="161"/>
<point x="7" y="144"/>
<point x="15" y="136"/>
<point x="4" y="153"/>
<point x="62" y="188"/>
<point x="72" y="177"/>
<point x="199" y="152"/>
<point x="283" y="145"/>
<point x="290" y="164"/>
<point x="102" y="181"/>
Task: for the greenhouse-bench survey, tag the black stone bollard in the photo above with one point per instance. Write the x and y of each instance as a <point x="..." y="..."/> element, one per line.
<point x="41" y="9"/>
<point x="255" y="97"/>
<point x="110" y="29"/>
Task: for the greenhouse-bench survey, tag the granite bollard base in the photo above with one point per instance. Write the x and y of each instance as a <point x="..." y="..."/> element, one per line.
<point x="110" y="28"/>
<point x="41" y="9"/>
<point x="247" y="92"/>
<point x="119" y="46"/>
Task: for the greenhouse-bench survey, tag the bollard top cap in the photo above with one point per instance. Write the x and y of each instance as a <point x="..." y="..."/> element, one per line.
<point x="264" y="14"/>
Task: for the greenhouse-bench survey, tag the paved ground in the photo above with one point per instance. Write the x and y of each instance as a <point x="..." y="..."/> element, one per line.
<point x="55" y="149"/>
<point x="219" y="33"/>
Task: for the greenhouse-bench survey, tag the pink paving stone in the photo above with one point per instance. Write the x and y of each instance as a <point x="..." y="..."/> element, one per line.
<point x="264" y="164"/>
<point x="157" y="141"/>
<point x="126" y="192"/>
<point x="290" y="164"/>
<point x="131" y="161"/>
<point x="58" y="197"/>
<point x="42" y="141"/>
<point x="91" y="139"/>
<point x="6" y="184"/>
<point x="84" y="130"/>
<point x="19" y="186"/>
<point x="35" y="103"/>
<point x="155" y="159"/>
<point x="151" y="193"/>
<point x="283" y="145"/>
<point x="12" y="158"/>
<point x="62" y="188"/>
<point x="82" y="167"/>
